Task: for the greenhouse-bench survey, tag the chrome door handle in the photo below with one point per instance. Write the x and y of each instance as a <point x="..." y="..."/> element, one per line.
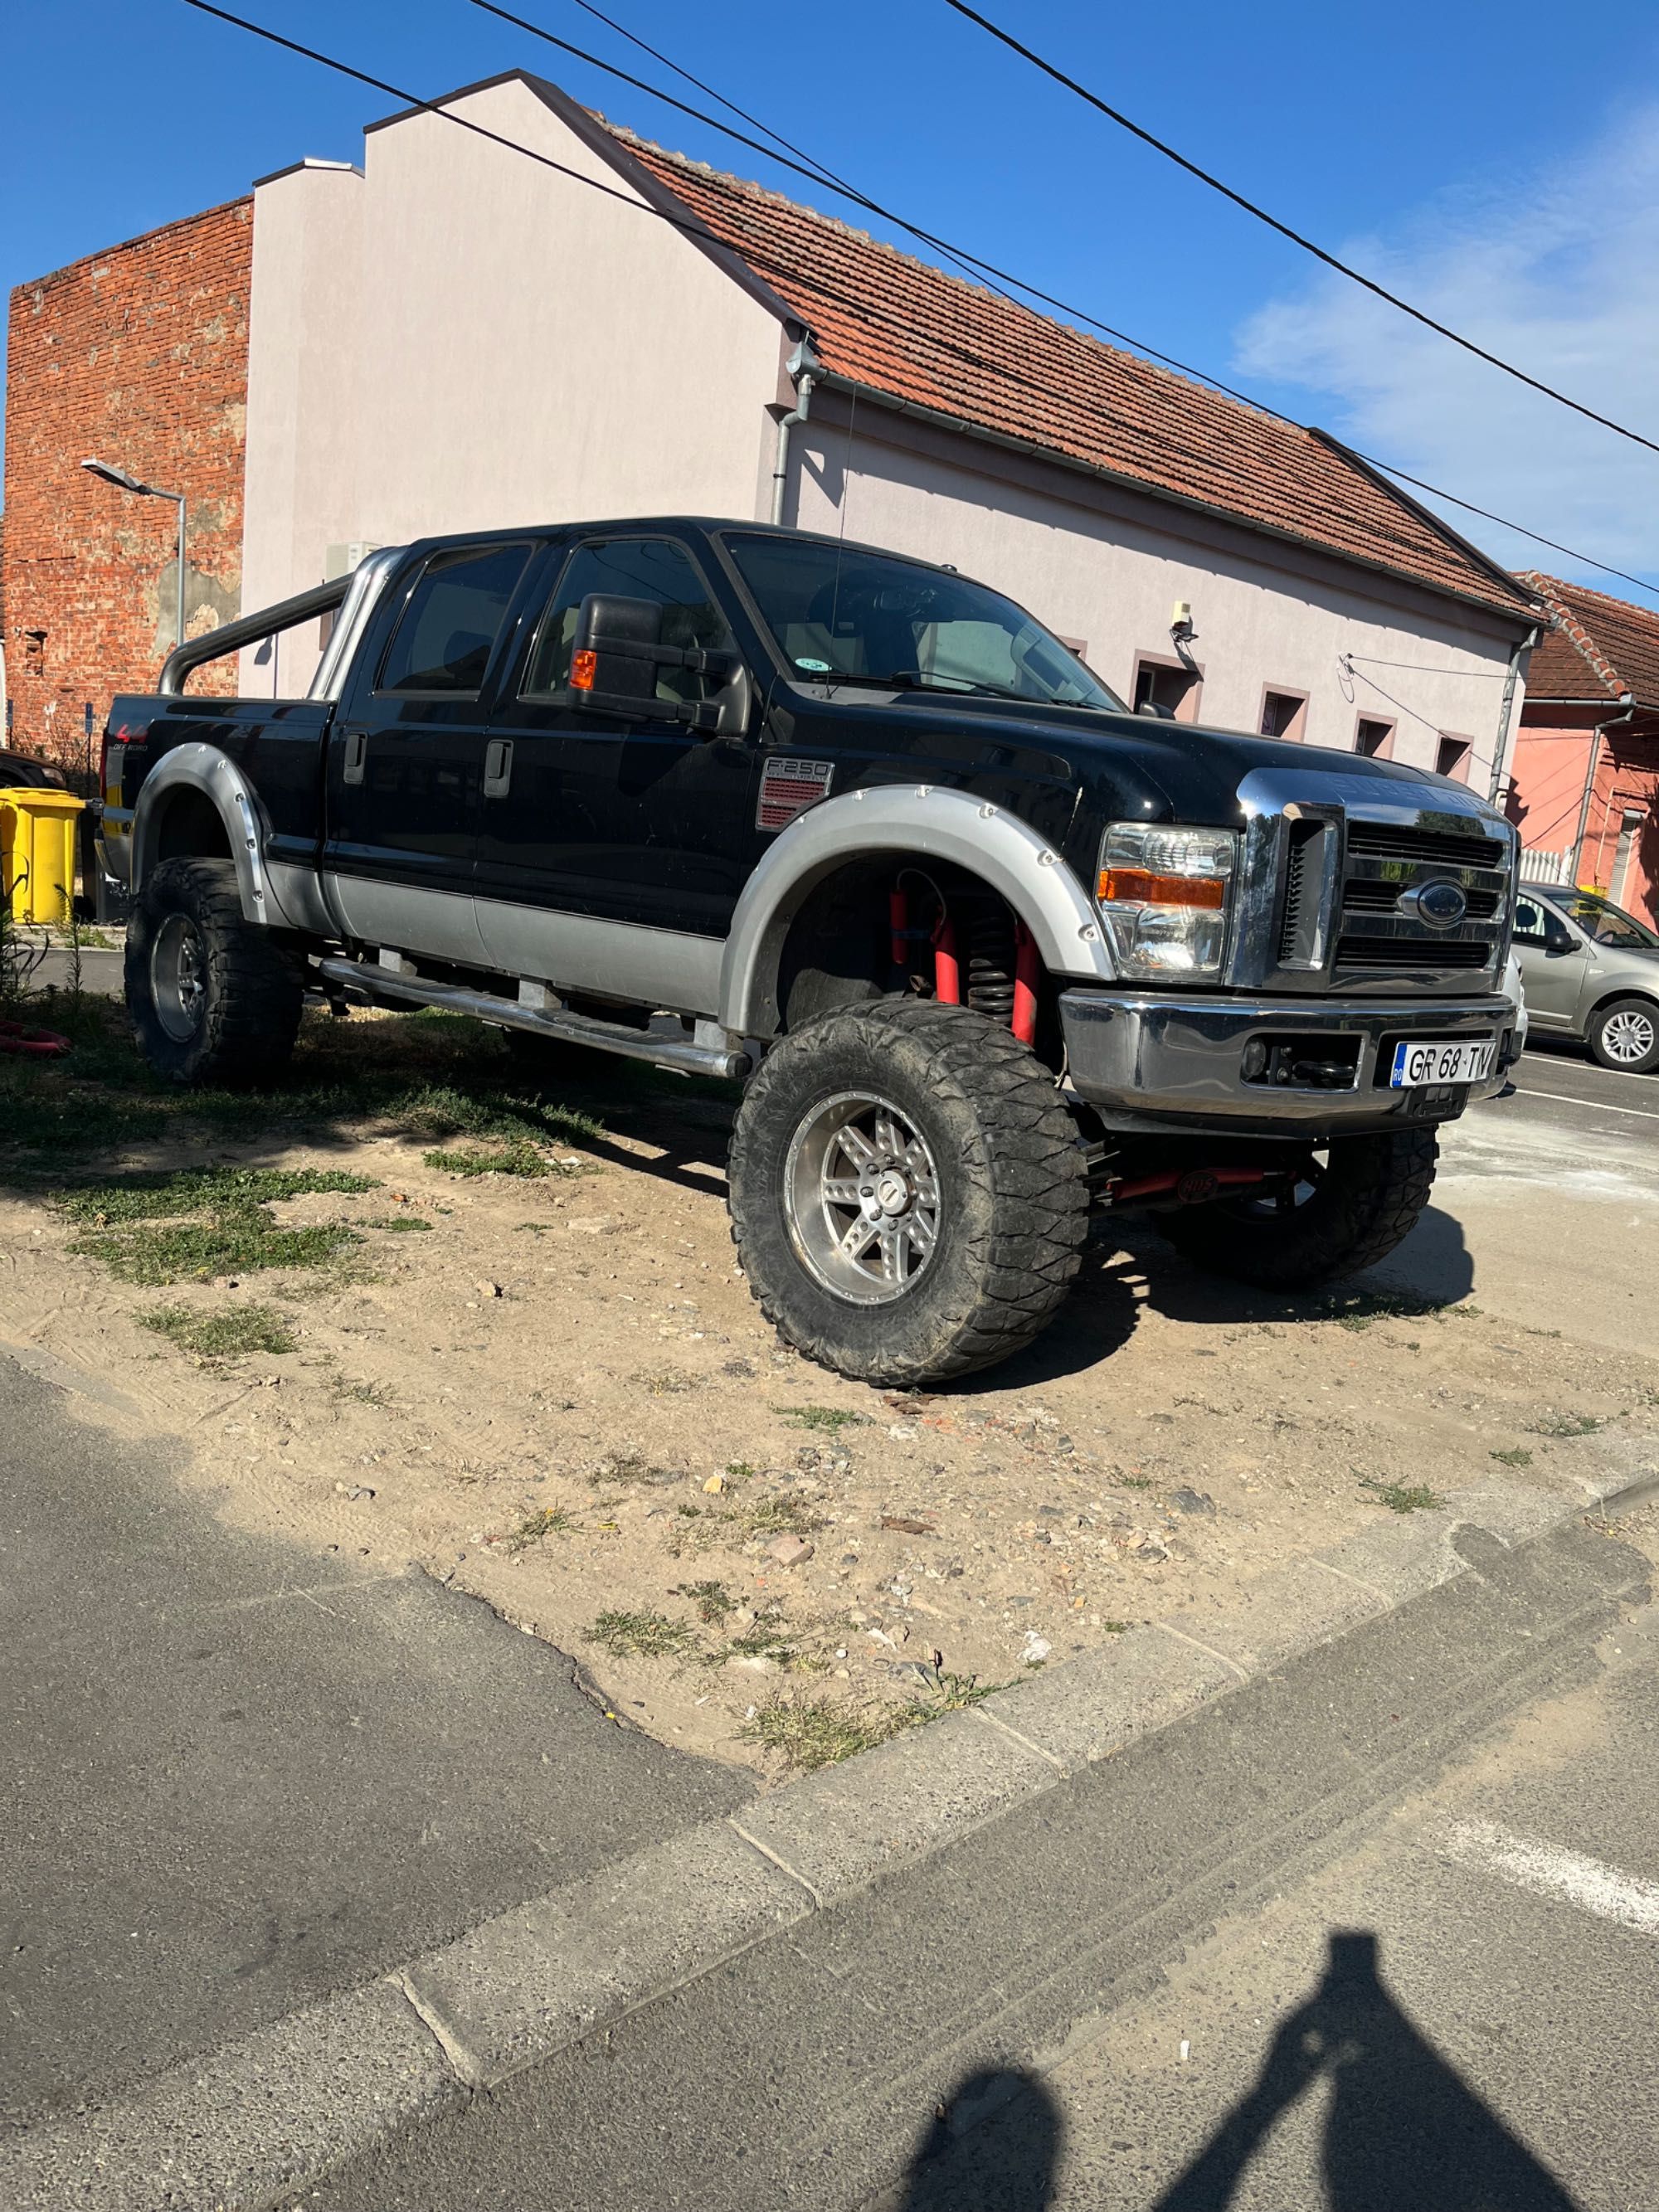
<point x="356" y="749"/>
<point x="498" y="767"/>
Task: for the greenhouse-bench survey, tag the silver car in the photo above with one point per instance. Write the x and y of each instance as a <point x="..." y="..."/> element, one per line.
<point x="1591" y="972"/>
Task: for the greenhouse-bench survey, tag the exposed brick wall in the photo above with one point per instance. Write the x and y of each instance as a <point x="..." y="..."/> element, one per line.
<point x="139" y="357"/>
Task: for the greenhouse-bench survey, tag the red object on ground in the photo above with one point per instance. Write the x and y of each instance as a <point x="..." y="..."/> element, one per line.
<point x="1027" y="969"/>
<point x="947" y="975"/>
<point x="42" y="1044"/>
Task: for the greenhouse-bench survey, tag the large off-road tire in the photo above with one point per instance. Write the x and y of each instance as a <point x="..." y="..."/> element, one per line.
<point x="908" y="1196"/>
<point x="1349" y="1211"/>
<point x="213" y="999"/>
<point x="1625" y="1035"/>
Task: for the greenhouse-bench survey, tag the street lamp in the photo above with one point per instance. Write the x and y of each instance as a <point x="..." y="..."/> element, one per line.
<point x="125" y="481"/>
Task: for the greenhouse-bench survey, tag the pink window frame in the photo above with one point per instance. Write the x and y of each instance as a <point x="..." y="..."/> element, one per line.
<point x="1297" y="733"/>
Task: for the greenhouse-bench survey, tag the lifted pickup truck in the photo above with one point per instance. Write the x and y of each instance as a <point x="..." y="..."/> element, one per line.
<point x="990" y="952"/>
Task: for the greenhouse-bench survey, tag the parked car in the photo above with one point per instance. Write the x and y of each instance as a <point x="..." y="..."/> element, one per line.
<point x="1591" y="972"/>
<point x="989" y="952"/>
<point x="19" y="772"/>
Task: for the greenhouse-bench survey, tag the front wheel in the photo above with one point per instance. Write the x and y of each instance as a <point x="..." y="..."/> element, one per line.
<point x="1345" y="1210"/>
<point x="908" y="1197"/>
<point x="212" y="998"/>
<point x="1625" y="1035"/>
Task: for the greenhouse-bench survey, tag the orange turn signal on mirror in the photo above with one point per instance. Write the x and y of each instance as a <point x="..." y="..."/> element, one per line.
<point x="1140" y="887"/>
<point x="584" y="667"/>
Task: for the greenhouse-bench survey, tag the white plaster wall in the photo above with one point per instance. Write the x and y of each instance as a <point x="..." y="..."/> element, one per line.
<point x="1262" y="621"/>
<point x="533" y="349"/>
<point x="300" y="487"/>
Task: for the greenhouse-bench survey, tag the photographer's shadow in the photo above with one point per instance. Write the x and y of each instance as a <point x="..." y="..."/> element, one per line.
<point x="1403" y="2127"/>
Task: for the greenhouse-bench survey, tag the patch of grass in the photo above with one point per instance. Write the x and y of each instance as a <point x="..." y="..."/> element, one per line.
<point x="1134" y="1481"/>
<point x="1566" y="1424"/>
<point x="1403" y="1497"/>
<point x="552" y="1520"/>
<point x="165" y="1193"/>
<point x="776" y="1516"/>
<point x="519" y="1158"/>
<point x="1115" y="1628"/>
<point x="234" y="1244"/>
<point x="232" y="1333"/>
<point x="829" y="1419"/>
<point x="713" y="1602"/>
<point x="1516" y="1456"/>
<point x="363" y="1394"/>
<point x="398" y="1224"/>
<point x="642" y="1636"/>
<point x="808" y="1733"/>
<point x="666" y="1382"/>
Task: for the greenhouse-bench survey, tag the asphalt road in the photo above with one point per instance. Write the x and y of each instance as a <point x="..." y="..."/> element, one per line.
<point x="241" y="1776"/>
<point x="1454" y="2015"/>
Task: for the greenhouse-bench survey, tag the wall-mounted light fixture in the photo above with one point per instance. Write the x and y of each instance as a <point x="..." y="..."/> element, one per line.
<point x="124" y="480"/>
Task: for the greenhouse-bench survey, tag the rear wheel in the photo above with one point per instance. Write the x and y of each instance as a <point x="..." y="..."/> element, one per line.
<point x="908" y="1192"/>
<point x="1349" y="1206"/>
<point x="1626" y="1035"/>
<point x="213" y="999"/>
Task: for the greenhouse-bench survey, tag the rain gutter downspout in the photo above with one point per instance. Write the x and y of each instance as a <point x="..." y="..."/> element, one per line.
<point x="805" y="369"/>
<point x="1500" y="760"/>
<point x="1627" y="702"/>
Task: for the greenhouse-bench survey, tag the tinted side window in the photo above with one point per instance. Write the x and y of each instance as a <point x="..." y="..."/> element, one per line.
<point x="635" y="568"/>
<point x="449" y="624"/>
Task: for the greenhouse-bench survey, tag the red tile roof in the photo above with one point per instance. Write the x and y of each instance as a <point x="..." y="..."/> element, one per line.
<point x="891" y="323"/>
<point x="1599" y="647"/>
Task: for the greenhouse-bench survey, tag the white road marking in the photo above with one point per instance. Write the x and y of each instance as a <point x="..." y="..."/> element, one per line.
<point x="1567" y="1098"/>
<point x="1529" y="1863"/>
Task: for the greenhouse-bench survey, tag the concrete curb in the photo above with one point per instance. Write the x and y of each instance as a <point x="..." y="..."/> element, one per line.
<point x="250" y="2123"/>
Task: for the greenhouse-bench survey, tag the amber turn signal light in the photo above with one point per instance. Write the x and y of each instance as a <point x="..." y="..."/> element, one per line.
<point x="1140" y="887"/>
<point x="584" y="667"/>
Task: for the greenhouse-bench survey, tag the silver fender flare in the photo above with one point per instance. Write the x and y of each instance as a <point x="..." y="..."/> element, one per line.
<point x="204" y="769"/>
<point x="922" y="822"/>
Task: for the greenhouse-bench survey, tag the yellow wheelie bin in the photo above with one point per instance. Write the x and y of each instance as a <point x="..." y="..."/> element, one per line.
<point x="37" y="853"/>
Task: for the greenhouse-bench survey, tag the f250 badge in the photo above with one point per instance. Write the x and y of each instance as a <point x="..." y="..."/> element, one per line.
<point x="788" y="788"/>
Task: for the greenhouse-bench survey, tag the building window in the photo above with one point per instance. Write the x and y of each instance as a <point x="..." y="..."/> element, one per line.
<point x="1452" y="757"/>
<point x="1284" y="714"/>
<point x="1166" y="688"/>
<point x="1374" y="739"/>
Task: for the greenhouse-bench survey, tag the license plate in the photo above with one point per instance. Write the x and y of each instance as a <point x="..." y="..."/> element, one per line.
<point x="1420" y="1062"/>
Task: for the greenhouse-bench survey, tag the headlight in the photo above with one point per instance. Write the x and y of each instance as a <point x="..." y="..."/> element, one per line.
<point x="1164" y="895"/>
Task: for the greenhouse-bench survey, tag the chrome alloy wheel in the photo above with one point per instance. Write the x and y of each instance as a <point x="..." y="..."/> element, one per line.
<point x="861" y="1198"/>
<point x="1628" y="1035"/>
<point x="177" y="977"/>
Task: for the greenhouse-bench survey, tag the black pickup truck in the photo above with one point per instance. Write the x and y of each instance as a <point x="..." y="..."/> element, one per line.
<point x="990" y="952"/>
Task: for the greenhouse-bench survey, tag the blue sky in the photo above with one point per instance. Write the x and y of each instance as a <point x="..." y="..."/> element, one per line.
<point x="1471" y="155"/>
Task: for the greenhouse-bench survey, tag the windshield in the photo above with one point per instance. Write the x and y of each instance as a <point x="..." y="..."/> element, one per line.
<point x="838" y="615"/>
<point x="1607" y="924"/>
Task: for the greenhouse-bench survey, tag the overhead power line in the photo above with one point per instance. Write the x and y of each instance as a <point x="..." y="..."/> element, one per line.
<point x="806" y="165"/>
<point x="1331" y="261"/>
<point x="693" y="226"/>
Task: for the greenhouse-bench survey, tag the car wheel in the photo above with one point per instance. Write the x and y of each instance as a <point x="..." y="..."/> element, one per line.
<point x="1625" y="1035"/>
<point x="212" y="998"/>
<point x="908" y="1197"/>
<point x="1343" y="1212"/>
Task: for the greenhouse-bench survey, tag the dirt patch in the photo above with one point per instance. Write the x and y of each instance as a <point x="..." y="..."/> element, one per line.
<point x="553" y="1389"/>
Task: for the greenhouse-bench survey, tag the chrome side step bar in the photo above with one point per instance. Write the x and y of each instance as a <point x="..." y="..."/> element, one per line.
<point x="379" y="982"/>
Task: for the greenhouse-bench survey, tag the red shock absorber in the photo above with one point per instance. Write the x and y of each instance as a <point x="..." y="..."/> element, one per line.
<point x="898" y="925"/>
<point x="1027" y="969"/>
<point x="947" y="973"/>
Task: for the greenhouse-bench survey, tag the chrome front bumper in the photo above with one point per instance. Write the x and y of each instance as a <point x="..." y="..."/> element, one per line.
<point x="1146" y="1060"/>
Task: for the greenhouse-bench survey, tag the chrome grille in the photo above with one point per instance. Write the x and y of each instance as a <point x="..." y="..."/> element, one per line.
<point x="1329" y="858"/>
